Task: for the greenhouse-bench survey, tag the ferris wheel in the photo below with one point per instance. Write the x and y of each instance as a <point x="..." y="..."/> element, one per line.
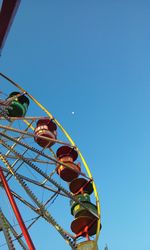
<point x="43" y="176"/>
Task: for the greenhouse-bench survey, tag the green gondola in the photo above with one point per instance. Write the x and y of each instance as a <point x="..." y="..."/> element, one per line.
<point x="18" y="106"/>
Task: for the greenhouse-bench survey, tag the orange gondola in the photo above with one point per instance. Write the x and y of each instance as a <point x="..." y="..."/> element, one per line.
<point x="69" y="170"/>
<point x="48" y="129"/>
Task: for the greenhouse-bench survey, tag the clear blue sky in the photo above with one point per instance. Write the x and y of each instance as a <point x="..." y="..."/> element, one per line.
<point x="93" y="57"/>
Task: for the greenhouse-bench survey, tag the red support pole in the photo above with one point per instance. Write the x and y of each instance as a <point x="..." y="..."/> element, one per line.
<point x="16" y="211"/>
<point x="7" y="14"/>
